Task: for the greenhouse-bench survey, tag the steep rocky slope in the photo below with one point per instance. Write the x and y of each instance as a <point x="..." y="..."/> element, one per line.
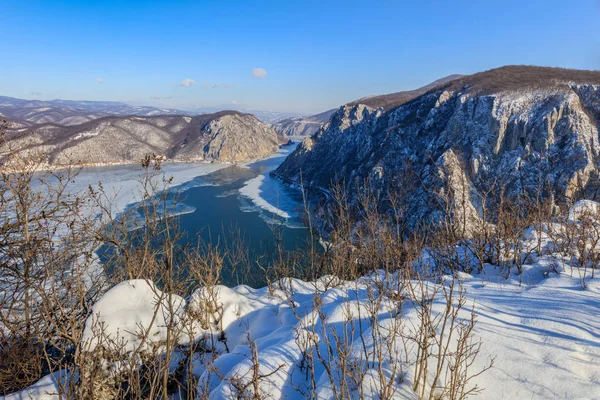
<point x="308" y="126"/>
<point x="226" y="136"/>
<point x="521" y="128"/>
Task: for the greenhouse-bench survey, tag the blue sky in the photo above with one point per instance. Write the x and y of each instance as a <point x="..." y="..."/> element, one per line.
<point x="316" y="54"/>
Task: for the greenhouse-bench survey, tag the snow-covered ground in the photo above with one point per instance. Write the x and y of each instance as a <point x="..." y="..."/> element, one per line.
<point x="544" y="336"/>
<point x="541" y="328"/>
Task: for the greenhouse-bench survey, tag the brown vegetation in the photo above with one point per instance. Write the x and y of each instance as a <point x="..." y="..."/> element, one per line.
<point x="395" y="100"/>
<point x="520" y="77"/>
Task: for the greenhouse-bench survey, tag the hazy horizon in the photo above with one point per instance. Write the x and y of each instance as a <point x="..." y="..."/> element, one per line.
<point x="303" y="57"/>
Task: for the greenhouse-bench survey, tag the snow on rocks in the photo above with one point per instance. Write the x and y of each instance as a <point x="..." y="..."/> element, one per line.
<point x="45" y="389"/>
<point x="583" y="209"/>
<point x="509" y="137"/>
<point x="234" y="313"/>
<point x="133" y="313"/>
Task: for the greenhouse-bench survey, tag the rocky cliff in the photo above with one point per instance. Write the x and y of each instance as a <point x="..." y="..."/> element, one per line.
<point x="226" y="136"/>
<point x="525" y="129"/>
<point x="308" y="126"/>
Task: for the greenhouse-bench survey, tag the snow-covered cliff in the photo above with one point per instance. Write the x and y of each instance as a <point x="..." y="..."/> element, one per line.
<point x="521" y="128"/>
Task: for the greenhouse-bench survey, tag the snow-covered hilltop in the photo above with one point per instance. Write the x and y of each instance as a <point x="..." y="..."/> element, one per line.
<point x="526" y="129"/>
<point x="226" y="136"/>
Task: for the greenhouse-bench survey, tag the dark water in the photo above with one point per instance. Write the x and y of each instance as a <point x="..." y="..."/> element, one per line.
<point x="224" y="206"/>
<point x="221" y="210"/>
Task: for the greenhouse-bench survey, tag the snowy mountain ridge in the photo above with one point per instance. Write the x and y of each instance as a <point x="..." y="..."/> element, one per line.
<point x="70" y="112"/>
<point x="525" y="129"/>
<point x="227" y="136"/>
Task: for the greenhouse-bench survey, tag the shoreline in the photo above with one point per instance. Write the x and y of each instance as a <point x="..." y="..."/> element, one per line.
<point x="61" y="167"/>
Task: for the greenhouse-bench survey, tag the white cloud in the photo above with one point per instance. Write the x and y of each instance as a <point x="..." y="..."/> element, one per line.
<point x="161" y="98"/>
<point x="100" y="80"/>
<point x="259" y="73"/>
<point x="234" y="102"/>
<point x="187" y="82"/>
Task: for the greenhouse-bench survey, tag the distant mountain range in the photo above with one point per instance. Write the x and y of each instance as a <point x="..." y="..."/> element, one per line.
<point x="528" y="130"/>
<point x="22" y="113"/>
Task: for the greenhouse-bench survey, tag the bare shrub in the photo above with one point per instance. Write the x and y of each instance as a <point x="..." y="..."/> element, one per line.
<point x="48" y="278"/>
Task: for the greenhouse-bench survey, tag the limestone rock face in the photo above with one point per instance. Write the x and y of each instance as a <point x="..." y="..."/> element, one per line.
<point x="483" y="131"/>
<point x="227" y="136"/>
<point x="349" y="127"/>
<point x="230" y="137"/>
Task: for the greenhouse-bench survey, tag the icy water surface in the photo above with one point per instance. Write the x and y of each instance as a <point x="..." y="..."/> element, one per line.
<point x="245" y="201"/>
